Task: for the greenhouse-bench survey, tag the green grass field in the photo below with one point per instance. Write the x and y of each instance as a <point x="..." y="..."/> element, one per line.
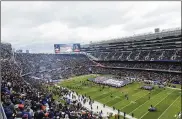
<point x="167" y="102"/>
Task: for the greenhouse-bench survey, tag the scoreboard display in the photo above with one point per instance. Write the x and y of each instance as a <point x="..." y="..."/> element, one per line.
<point x="56" y="48"/>
<point x="76" y="47"/>
<point x="66" y="48"/>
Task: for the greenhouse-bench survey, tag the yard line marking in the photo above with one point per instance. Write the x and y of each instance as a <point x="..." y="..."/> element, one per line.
<point x="112" y="99"/>
<point x="90" y="91"/>
<point x="98" y="95"/>
<point x="134" y="100"/>
<point x="131" y="96"/>
<point x="157" y="104"/>
<point x="101" y="95"/>
<point x="168" y="107"/>
<point x="123" y="99"/>
<point x="109" y="95"/>
<point x="174" y="88"/>
<point x="177" y="117"/>
<point x="146" y="102"/>
<point x="95" y="90"/>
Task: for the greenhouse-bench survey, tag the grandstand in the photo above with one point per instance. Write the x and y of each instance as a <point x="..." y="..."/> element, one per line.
<point x="160" y="46"/>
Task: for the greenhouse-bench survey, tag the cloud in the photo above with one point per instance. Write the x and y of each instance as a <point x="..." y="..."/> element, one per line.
<point x="38" y="25"/>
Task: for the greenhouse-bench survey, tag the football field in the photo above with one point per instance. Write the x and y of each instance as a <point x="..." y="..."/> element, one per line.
<point x="167" y="101"/>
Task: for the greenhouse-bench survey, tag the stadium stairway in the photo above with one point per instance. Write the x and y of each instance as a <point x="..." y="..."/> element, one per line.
<point x="91" y="57"/>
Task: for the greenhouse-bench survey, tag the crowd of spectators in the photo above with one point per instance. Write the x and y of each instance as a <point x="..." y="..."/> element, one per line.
<point x="139" y="55"/>
<point x="169" y="66"/>
<point x="140" y="75"/>
<point x="28" y="98"/>
<point x="36" y="62"/>
<point x="5" y="50"/>
<point x="62" y="73"/>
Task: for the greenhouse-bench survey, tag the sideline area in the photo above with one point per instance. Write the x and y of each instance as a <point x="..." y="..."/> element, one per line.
<point x="106" y="110"/>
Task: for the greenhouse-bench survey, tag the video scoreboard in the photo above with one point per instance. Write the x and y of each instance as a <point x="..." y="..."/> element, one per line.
<point x="66" y="48"/>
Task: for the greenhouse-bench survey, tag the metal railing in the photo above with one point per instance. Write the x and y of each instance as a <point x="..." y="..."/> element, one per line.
<point x="2" y="113"/>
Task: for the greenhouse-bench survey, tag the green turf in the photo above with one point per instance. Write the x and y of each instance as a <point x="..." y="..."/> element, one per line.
<point x="167" y="102"/>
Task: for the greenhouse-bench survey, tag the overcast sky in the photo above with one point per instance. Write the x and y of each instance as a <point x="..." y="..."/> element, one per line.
<point x="38" y="25"/>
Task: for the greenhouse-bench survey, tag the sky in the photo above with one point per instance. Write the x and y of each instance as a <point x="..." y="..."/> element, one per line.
<point x="37" y="26"/>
